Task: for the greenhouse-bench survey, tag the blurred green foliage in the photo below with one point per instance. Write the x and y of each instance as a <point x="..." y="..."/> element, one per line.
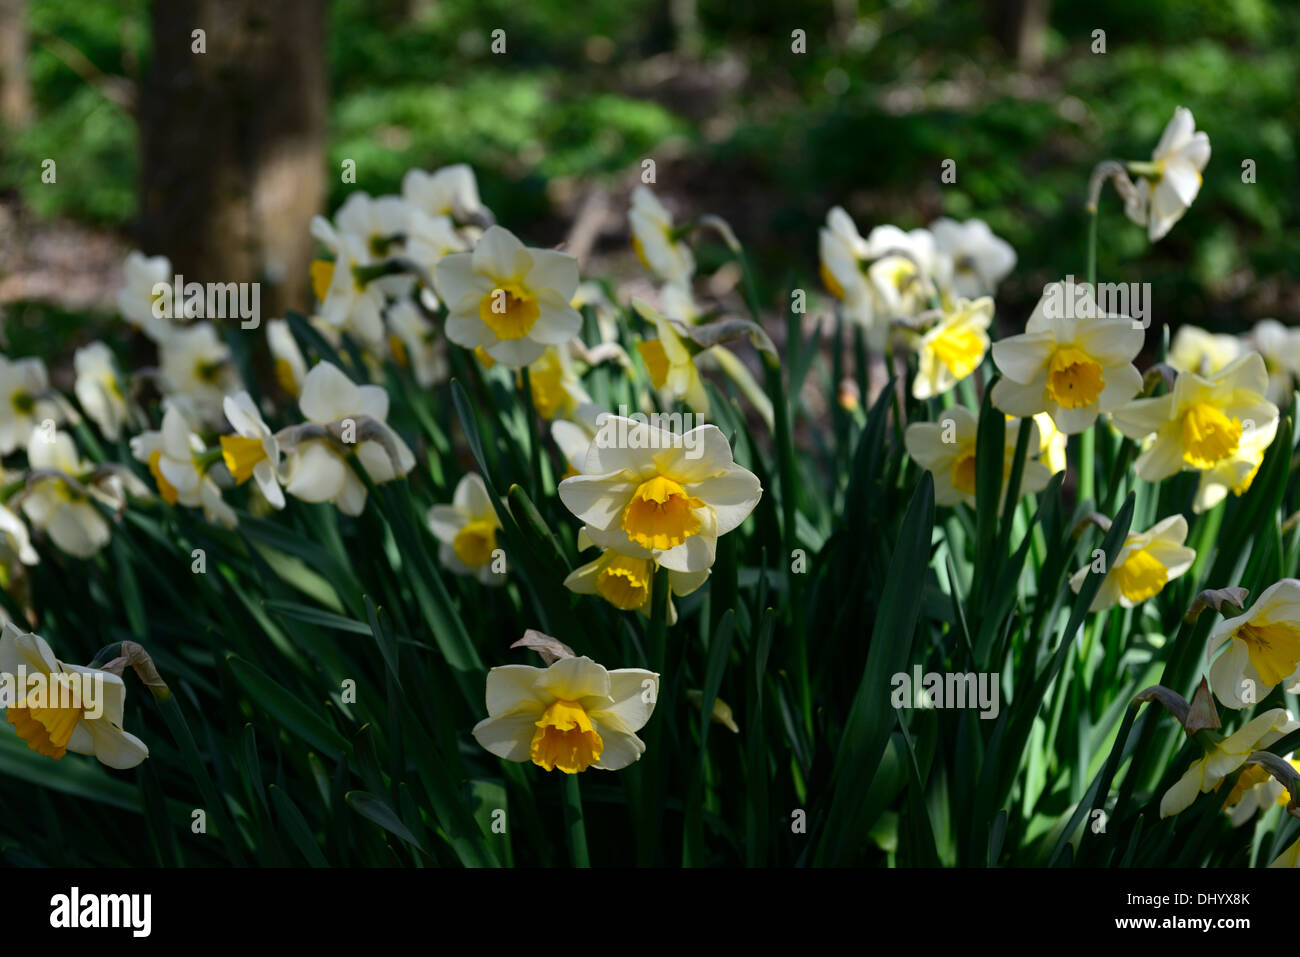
<point x="864" y="118"/>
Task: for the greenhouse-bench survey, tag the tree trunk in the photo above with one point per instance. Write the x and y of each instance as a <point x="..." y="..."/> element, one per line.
<point x="233" y="140"/>
<point x="1021" y="27"/>
<point x="15" y="93"/>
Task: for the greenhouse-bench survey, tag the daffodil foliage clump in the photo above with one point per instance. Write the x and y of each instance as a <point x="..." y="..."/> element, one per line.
<point x="480" y="561"/>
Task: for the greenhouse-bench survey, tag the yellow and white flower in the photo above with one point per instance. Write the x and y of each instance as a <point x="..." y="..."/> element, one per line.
<point x="1175" y="176"/>
<point x="197" y="371"/>
<point x="1071" y="362"/>
<point x="97" y="389"/>
<point x="510" y="300"/>
<point x="348" y="303"/>
<point x="253" y="451"/>
<point x="1280" y="347"/>
<point x="1207" y="773"/>
<point x="903" y="272"/>
<point x="1146" y="563"/>
<point x="654" y="241"/>
<point x="1205" y="353"/>
<point x="556" y="389"/>
<point x="946" y="449"/>
<point x="316" y="470"/>
<point x="626" y="579"/>
<point x="290" y="366"/>
<point x="64" y="513"/>
<point x="81" y="709"/>
<point x="953" y="348"/>
<point x="842" y="253"/>
<point x="467" y="529"/>
<point x="450" y="191"/>
<point x="1263" y="647"/>
<point x="1052" y="443"/>
<point x="413" y="344"/>
<point x="1201" y="422"/>
<point x="670" y="363"/>
<point x="176" y="460"/>
<point x="15" y="546"/>
<point x="571" y="716"/>
<point x="980" y="260"/>
<point x="668" y="493"/>
<point x="25" y="401"/>
<point x="1255" y="790"/>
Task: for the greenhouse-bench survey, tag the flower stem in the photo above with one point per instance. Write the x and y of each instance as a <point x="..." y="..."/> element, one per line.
<point x="575" y="827"/>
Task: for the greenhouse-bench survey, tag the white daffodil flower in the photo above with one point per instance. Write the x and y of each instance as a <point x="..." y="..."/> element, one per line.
<point x="1263" y="648"/>
<point x="510" y="300"/>
<point x="1202" y="421"/>
<point x="467" y="530"/>
<point x="197" y="371"/>
<point x="654" y="240"/>
<point x="573" y="436"/>
<point x="290" y="366"/>
<point x="135" y="300"/>
<point x="25" y="401"/>
<point x="671" y="365"/>
<point x="80" y="709"/>
<point x="1195" y="350"/>
<point x="316" y="470"/>
<point x="178" y="462"/>
<point x="63" y="512"/>
<point x="451" y="191"/>
<point x="377" y="225"/>
<point x="1169" y="183"/>
<point x="946" y="449"/>
<point x="1256" y="790"/>
<point x="980" y="260"/>
<point x="1072" y="361"/>
<point x="571" y="716"/>
<point x="1280" y="347"/>
<point x="842" y="253"/>
<point x="953" y="348"/>
<point x="903" y="271"/>
<point x="1207" y="773"/>
<point x="97" y="389"/>
<point x="429" y="240"/>
<point x="347" y="303"/>
<point x="15" y="546"/>
<point x="626" y="579"/>
<point x="668" y="493"/>
<point x="414" y="345"/>
<point x="1146" y="563"/>
<point x="253" y="451"/>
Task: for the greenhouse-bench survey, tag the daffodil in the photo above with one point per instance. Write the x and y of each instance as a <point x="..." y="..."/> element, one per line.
<point x="952" y="348"/>
<point x="180" y="465"/>
<point x="980" y="260"/>
<point x="626" y="579"/>
<point x="290" y="366"/>
<point x="573" y="436"/>
<point x="1207" y="773"/>
<point x="903" y="271"/>
<point x="511" y="301"/>
<point x="136" y="298"/>
<point x="1052" y="443"/>
<point x="1071" y="362"/>
<point x="656" y="241"/>
<point x="946" y="449"/>
<point x="1263" y="647"/>
<point x="1195" y="350"/>
<point x="554" y="382"/>
<point x="429" y="240"/>
<point x="1168" y="184"/>
<point x="1202" y="421"/>
<point x="1146" y="563"/>
<point x="671" y="364"/>
<point x="197" y="371"/>
<point x="253" y="451"/>
<point x="1255" y="790"/>
<point x="668" y="493"/>
<point x="316" y="469"/>
<point x="1237" y="471"/>
<point x="413" y="344"/>
<point x="843" y="252"/>
<point x="467" y="530"/>
<point x="15" y="547"/>
<point x="62" y="510"/>
<point x="72" y="709"/>
<point x="97" y="389"/>
<point x="348" y="301"/>
<point x="25" y="401"/>
<point x="1280" y="347"/>
<point x="450" y="191"/>
<point x="571" y="716"/>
